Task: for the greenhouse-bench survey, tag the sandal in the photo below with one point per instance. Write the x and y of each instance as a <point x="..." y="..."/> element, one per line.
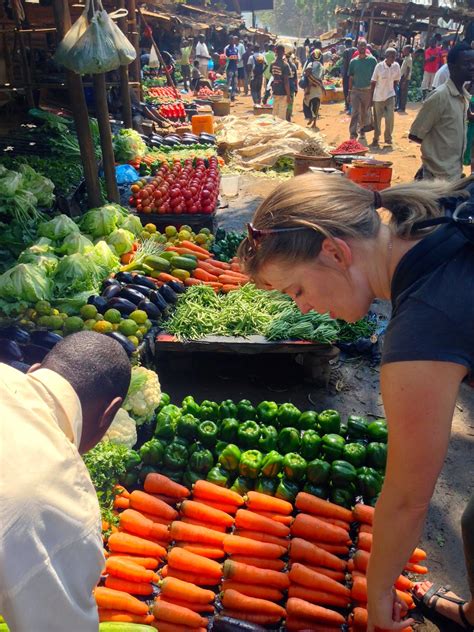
<point x="430" y="599"/>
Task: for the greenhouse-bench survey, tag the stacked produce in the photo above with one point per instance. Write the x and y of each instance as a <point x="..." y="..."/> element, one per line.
<point x="206" y="92"/>
<point x="226" y="244"/>
<point x="173" y="236"/>
<point x="349" y="147"/>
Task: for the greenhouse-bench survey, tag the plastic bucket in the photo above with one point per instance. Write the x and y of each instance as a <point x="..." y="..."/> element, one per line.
<point x="230" y="185"/>
<point x="202" y="123"/>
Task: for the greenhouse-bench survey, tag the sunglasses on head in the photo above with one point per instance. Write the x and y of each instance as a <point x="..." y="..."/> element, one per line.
<point x="255" y="235"/>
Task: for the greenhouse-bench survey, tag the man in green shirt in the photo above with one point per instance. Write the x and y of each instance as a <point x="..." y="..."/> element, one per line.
<point x="361" y="70"/>
<point x="269" y="56"/>
<point x="186" y="49"/>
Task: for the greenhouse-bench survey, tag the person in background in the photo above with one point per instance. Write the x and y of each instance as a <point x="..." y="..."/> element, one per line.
<point x="255" y="69"/>
<point x="361" y="70"/>
<point x="170" y="65"/>
<point x="202" y="55"/>
<point x="245" y="58"/>
<point x="445" y="46"/>
<point x="196" y="76"/>
<point x="314" y="74"/>
<point x="240" y="65"/>
<point x="440" y="125"/>
<point x="347" y="55"/>
<point x="468" y="154"/>
<point x="232" y="53"/>
<point x="269" y="55"/>
<point x="441" y="76"/>
<point x="144" y="58"/>
<point x="293" y="80"/>
<point x="280" y="71"/>
<point x="51" y="549"/>
<point x="301" y="54"/>
<point x="431" y="66"/>
<point x="186" y="49"/>
<point x="405" y="77"/>
<point x="384" y="87"/>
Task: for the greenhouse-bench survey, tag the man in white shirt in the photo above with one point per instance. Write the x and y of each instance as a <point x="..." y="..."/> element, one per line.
<point x="240" y="65"/>
<point x="441" y="76"/>
<point x="384" y="84"/>
<point x="51" y="552"/>
<point x="202" y="56"/>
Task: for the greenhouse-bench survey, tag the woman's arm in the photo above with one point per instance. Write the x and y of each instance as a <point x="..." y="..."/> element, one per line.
<point x="419" y="400"/>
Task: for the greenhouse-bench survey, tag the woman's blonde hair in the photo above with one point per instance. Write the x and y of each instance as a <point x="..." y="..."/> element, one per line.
<point x="331" y="206"/>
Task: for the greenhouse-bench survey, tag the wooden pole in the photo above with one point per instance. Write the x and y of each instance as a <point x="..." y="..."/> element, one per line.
<point x="134" y="38"/>
<point x="25" y="66"/>
<point x="80" y="113"/>
<point x="124" y="87"/>
<point x="108" y="160"/>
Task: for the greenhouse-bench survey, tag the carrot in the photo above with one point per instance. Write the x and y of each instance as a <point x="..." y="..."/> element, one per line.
<point x="318" y="597"/>
<point x="337" y="523"/>
<point x="119" y="490"/>
<point x="126" y="543"/>
<point x="252" y="617"/>
<point x="206" y="525"/>
<point x="300" y="574"/>
<point x="234" y="600"/>
<point x="164" y="571"/>
<point x="253" y="575"/>
<point x="119" y="600"/>
<point x="214" y="284"/>
<point x="169" y="500"/>
<point x="166" y="626"/>
<point x="263" y="537"/>
<point x="304" y="551"/>
<point x="295" y="623"/>
<point x="403" y="583"/>
<point x="145" y="502"/>
<point x="286" y="520"/>
<point x="134" y="588"/>
<point x="335" y="549"/>
<point x="229" y="288"/>
<point x="232" y="280"/>
<point x="134" y="522"/>
<point x="198" y="511"/>
<point x="204" y="489"/>
<point x="262" y="502"/>
<point x="186" y="251"/>
<point x="183" y="532"/>
<point x="260" y="562"/>
<point x="191" y="281"/>
<point x="173" y="588"/>
<point x="301" y="608"/>
<point x="312" y="528"/>
<point x="190" y="562"/>
<point x="246" y="546"/>
<point x="338" y="576"/>
<point x="253" y="590"/>
<point x="418" y="555"/>
<point x="192" y="578"/>
<point x="361" y="560"/>
<point x="129" y="570"/>
<point x="208" y="267"/>
<point x="123" y="616"/>
<point x="359" y="592"/>
<point x="202" y="275"/>
<point x="416" y="568"/>
<point x="226" y="507"/>
<point x="319" y="507"/>
<point x="359" y="619"/>
<point x="192" y="246"/>
<point x="212" y="552"/>
<point x="149" y="563"/>
<point x="127" y="257"/>
<point x="121" y="502"/>
<point x="165" y="277"/>
<point x="195" y="607"/>
<point x="249" y="520"/>
<point x="366" y="528"/>
<point x="235" y="267"/>
<point x="221" y="264"/>
<point x="177" y="614"/>
<point x="363" y="513"/>
<point x="156" y="519"/>
<point x="356" y="573"/>
<point x="364" y="541"/>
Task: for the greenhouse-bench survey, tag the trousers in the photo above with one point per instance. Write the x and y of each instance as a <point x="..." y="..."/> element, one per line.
<point x="360" y="103"/>
<point x="403" y="93"/>
<point x="280" y="105"/>
<point x="384" y="110"/>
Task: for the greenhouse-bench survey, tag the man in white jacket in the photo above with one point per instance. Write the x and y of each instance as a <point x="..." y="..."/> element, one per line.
<point x="202" y="56"/>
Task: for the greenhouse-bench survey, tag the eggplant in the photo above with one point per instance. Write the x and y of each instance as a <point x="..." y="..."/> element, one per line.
<point x="177" y="287"/>
<point x="45" y="338"/>
<point x="152" y="310"/>
<point x="124" y="306"/>
<point x="188" y="141"/>
<point x="19" y="335"/>
<point x="168" y="294"/>
<point x="123" y="340"/>
<point x="34" y="354"/>
<point x="138" y="288"/>
<point x="191" y="136"/>
<point x="206" y="135"/>
<point x="111" y="291"/>
<point x="222" y="623"/>
<point x="110" y="283"/>
<point x="157" y="139"/>
<point x="207" y="141"/>
<point x="171" y="142"/>
<point x="156" y="145"/>
<point x="10" y="351"/>
<point x="131" y="295"/>
<point x="156" y="298"/>
<point x="99" y="302"/>
<point x="139" y="279"/>
<point x="124" y="277"/>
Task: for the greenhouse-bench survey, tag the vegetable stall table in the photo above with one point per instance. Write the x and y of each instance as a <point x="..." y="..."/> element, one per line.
<point x="313" y="356"/>
<point x="195" y="221"/>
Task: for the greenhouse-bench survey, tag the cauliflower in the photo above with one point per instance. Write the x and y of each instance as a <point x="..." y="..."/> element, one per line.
<point x="123" y="430"/>
<point x="144" y="395"/>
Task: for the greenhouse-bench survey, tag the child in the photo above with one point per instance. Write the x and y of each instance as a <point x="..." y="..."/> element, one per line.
<point x="196" y="76"/>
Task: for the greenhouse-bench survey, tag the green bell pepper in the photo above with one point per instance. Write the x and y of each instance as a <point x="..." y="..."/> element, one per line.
<point x="321" y="491"/>
<point x="165" y="399"/>
<point x="268" y="439"/>
<point x="245" y="410"/>
<point x="287" y="490"/>
<point x="130" y="479"/>
<point x="308" y="420"/>
<point x="251" y="463"/>
<point x="187" y="427"/>
<point x="219" y="448"/>
<point x="294" y="467"/>
<point x="267" y="412"/>
<point x="369" y="482"/>
<point x="267" y="486"/>
<point x="175" y="476"/>
<point x="227" y="409"/>
<point x="242" y="485"/>
<point x="342" y="473"/>
<point x="207" y="433"/>
<point x="190" y="477"/>
<point x="329" y="422"/>
<point x="229" y="458"/>
<point x="373" y="501"/>
<point x="332" y="446"/>
<point x="288" y="415"/>
<point x="343" y="497"/>
<point x="318" y="472"/>
<point x="272" y="464"/>
<point x="377" y="455"/>
<point x="356" y="427"/>
<point x="145" y="470"/>
<point x="228" y="430"/>
<point x="176" y="456"/>
<point x="190" y="407"/>
<point x="172" y="410"/>
<point x="165" y="426"/>
<point x="378" y="431"/>
<point x="132" y="460"/>
<point x="354" y="453"/>
<point x="248" y="434"/>
<point x="208" y="411"/>
<point x="201" y="461"/>
<point x="310" y="444"/>
<point x="218" y="476"/>
<point x="289" y="440"/>
<point x="151" y="452"/>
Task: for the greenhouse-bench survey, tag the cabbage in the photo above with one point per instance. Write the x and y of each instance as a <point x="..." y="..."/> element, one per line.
<point x="58" y="228"/>
<point x="76" y="273"/>
<point x="76" y="242"/>
<point x="25" y="282"/>
<point x="41" y="255"/>
<point x="100" y="222"/>
<point x="133" y="224"/>
<point x="37" y="184"/>
<point x="128" y="145"/>
<point x="121" y="241"/>
<point x="104" y="258"/>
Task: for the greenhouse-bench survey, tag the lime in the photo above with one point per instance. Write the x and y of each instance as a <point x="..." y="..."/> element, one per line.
<point x="44" y="321"/>
<point x="90" y="324"/>
<point x="142" y="330"/>
<point x="134" y="340"/>
<point x="139" y="335"/>
<point x="184" y="234"/>
<point x="115" y="327"/>
<point x="171" y="231"/>
<point x="55" y="312"/>
<point x="73" y="324"/>
<point x="145" y="235"/>
<point x="139" y="316"/>
<point x="201" y="239"/>
<point x="29" y="313"/>
<point x="113" y="316"/>
<point x="99" y="317"/>
<point x="103" y="327"/>
<point x="150" y="228"/>
<point x="148" y="325"/>
<point x="205" y="231"/>
<point x="88" y="311"/>
<point x="56" y="322"/>
<point x="187" y="228"/>
<point x="63" y="316"/>
<point x="43" y="308"/>
<point x="128" y="327"/>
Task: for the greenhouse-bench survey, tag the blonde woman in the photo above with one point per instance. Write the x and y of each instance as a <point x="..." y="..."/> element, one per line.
<point x="320" y="239"/>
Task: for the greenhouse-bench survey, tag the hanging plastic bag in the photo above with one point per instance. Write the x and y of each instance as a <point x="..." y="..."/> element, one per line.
<point x="124" y="47"/>
<point x="72" y="36"/>
<point x="153" y="62"/>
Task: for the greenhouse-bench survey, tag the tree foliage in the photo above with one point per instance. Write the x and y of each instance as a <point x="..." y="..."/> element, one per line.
<point x="302" y="18"/>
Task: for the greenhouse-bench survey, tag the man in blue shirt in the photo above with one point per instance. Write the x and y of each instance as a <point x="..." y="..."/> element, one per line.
<point x="232" y="53"/>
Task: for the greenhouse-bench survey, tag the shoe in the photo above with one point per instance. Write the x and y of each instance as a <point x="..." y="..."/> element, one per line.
<point x="363" y="140"/>
<point x="374" y="144"/>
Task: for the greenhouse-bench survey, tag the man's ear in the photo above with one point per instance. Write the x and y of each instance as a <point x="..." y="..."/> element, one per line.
<point x="109" y="413"/>
<point x="34" y="367"/>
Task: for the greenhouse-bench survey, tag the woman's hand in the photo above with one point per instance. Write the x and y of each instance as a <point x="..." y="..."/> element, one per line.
<point x="385" y="612"/>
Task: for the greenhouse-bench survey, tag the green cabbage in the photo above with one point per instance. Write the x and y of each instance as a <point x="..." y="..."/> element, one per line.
<point x="41" y="255"/>
<point x="104" y="258"/>
<point x="77" y="273"/>
<point x="128" y="145"/>
<point x="133" y="224"/>
<point x="121" y="241"/>
<point x="37" y="184"/>
<point x="25" y="282"/>
<point x="76" y="242"/>
<point x="100" y="222"/>
<point x="58" y="228"/>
